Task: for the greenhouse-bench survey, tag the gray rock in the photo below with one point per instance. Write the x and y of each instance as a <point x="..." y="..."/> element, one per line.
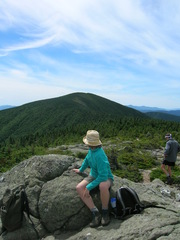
<point x="58" y="212"/>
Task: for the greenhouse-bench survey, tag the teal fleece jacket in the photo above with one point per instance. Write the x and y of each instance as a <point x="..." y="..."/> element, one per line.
<point x="98" y="162"/>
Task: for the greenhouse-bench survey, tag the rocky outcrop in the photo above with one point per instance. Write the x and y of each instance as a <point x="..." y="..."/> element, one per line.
<point x="58" y="212"/>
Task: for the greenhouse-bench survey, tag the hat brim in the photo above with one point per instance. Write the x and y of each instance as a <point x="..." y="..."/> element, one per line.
<point x="94" y="144"/>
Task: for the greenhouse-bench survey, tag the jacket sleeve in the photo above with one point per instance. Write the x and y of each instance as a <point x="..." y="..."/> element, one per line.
<point x="167" y="149"/>
<point x="84" y="165"/>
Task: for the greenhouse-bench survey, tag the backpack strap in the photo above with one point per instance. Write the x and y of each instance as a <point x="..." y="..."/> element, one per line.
<point x="148" y="205"/>
<point x="140" y="206"/>
<point x="156" y="206"/>
<point x="118" y="196"/>
<point x="26" y="203"/>
<point x="27" y="210"/>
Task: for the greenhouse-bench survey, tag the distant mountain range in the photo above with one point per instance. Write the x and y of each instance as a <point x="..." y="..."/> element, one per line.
<point x="6" y="107"/>
<point x="164" y="116"/>
<point x="146" y="109"/>
<point x="159" y="113"/>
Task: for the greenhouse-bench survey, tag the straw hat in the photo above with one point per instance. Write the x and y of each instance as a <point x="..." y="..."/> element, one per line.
<point x="92" y="138"/>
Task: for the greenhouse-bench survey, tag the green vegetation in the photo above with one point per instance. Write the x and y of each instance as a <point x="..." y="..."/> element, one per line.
<point x="126" y="133"/>
<point x="164" y="116"/>
<point x="157" y="173"/>
<point x="127" y="162"/>
<point x="60" y="116"/>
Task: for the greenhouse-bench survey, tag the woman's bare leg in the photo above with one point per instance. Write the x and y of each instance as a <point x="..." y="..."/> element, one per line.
<point x="81" y="187"/>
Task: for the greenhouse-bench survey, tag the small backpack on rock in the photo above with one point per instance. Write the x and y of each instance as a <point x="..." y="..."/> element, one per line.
<point x="128" y="203"/>
<point x="12" y="206"/>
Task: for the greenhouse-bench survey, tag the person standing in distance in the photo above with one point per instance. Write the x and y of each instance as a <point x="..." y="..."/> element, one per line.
<point x="170" y="155"/>
<point x="100" y="175"/>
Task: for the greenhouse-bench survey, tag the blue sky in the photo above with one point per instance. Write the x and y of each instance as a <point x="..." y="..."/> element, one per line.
<point x="127" y="50"/>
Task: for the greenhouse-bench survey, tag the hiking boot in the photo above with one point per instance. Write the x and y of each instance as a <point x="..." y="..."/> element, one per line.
<point x="169" y="180"/>
<point x="105" y="218"/>
<point x="96" y="219"/>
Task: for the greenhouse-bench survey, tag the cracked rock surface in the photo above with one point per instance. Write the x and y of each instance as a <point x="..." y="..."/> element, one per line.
<point x="58" y="212"/>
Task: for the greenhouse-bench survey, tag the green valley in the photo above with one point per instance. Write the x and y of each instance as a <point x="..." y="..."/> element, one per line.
<point x="32" y="128"/>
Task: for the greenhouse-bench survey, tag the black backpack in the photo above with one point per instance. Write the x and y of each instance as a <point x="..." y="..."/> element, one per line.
<point x="12" y="207"/>
<point x="128" y="203"/>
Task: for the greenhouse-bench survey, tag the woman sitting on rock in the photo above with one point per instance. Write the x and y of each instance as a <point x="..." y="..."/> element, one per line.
<point x="100" y="175"/>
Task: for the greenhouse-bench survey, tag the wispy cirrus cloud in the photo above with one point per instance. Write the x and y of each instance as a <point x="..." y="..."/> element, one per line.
<point x="112" y="48"/>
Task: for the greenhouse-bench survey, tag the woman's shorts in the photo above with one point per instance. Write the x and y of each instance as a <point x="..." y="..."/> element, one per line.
<point x="90" y="178"/>
<point x="172" y="164"/>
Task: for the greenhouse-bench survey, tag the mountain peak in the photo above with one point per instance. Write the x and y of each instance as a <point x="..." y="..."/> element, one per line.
<point x="65" y="112"/>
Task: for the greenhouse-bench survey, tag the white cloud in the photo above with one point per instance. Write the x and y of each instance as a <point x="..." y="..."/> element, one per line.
<point x="98" y="26"/>
<point x="128" y="47"/>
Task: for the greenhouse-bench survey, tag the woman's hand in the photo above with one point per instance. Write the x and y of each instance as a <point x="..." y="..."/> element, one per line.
<point x="76" y="170"/>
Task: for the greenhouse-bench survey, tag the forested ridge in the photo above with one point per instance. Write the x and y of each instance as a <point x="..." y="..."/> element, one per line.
<point x="32" y="128"/>
<point x="59" y="114"/>
<point x="164" y="116"/>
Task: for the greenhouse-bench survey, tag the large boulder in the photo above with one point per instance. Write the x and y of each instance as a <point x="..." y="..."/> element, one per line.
<point x="58" y="212"/>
